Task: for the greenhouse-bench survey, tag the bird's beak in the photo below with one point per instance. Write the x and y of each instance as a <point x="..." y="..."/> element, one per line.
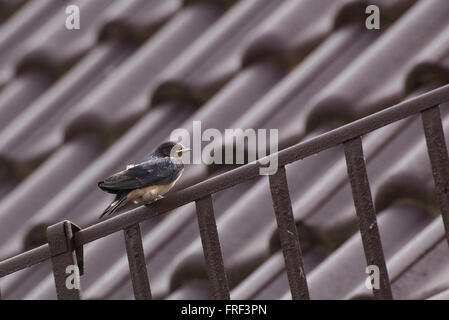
<point x="185" y="150"/>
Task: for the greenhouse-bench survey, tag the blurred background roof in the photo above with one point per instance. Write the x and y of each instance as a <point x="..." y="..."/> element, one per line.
<point x="77" y="105"/>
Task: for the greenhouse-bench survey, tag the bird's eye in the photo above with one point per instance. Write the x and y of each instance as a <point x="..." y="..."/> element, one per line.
<point x="179" y="153"/>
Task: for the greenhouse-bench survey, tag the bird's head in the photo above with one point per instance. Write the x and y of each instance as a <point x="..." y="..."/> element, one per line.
<point x="170" y="149"/>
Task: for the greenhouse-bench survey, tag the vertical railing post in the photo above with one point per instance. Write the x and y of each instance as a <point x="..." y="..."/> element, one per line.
<point x="211" y="248"/>
<point x="137" y="263"/>
<point x="437" y="150"/>
<point x="67" y="262"/>
<point x="288" y="235"/>
<point x="366" y="214"/>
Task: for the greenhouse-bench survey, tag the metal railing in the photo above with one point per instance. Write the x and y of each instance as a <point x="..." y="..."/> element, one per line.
<point x="66" y="240"/>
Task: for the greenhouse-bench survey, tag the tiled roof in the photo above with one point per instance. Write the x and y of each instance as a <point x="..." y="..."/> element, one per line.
<point x="75" y="106"/>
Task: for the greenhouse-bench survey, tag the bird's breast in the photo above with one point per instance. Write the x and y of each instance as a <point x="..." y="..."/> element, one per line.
<point x="150" y="193"/>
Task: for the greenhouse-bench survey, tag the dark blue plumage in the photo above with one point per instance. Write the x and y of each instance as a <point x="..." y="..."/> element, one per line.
<point x="147" y="181"/>
<point x="155" y="171"/>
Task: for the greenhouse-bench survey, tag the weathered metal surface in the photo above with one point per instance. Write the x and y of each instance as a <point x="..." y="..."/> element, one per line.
<point x="366" y="214"/>
<point x="436" y="147"/>
<point x="288" y="235"/>
<point x="64" y="260"/>
<point x="24" y="260"/>
<point x="137" y="264"/>
<point x="211" y="248"/>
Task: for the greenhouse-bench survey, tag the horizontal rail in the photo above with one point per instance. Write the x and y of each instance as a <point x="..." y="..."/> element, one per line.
<point x="25" y="260"/>
<point x="63" y="255"/>
<point x="236" y="176"/>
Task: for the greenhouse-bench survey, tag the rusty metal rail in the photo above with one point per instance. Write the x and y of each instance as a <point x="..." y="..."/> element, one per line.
<point x="66" y="240"/>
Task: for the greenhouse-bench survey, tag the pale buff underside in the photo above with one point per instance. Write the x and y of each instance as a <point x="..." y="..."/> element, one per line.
<point x="149" y="194"/>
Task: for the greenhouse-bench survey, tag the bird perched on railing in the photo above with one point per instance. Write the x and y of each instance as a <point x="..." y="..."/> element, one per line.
<point x="148" y="181"/>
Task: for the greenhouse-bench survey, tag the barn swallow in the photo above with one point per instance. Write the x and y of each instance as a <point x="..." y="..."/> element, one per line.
<point x="147" y="181"/>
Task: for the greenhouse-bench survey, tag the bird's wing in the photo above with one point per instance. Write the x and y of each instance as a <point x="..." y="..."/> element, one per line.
<point x="153" y="172"/>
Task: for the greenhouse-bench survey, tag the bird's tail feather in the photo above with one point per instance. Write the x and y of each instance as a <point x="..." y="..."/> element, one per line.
<point x="116" y="204"/>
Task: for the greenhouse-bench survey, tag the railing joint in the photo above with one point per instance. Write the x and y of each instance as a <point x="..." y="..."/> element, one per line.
<point x="67" y="261"/>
